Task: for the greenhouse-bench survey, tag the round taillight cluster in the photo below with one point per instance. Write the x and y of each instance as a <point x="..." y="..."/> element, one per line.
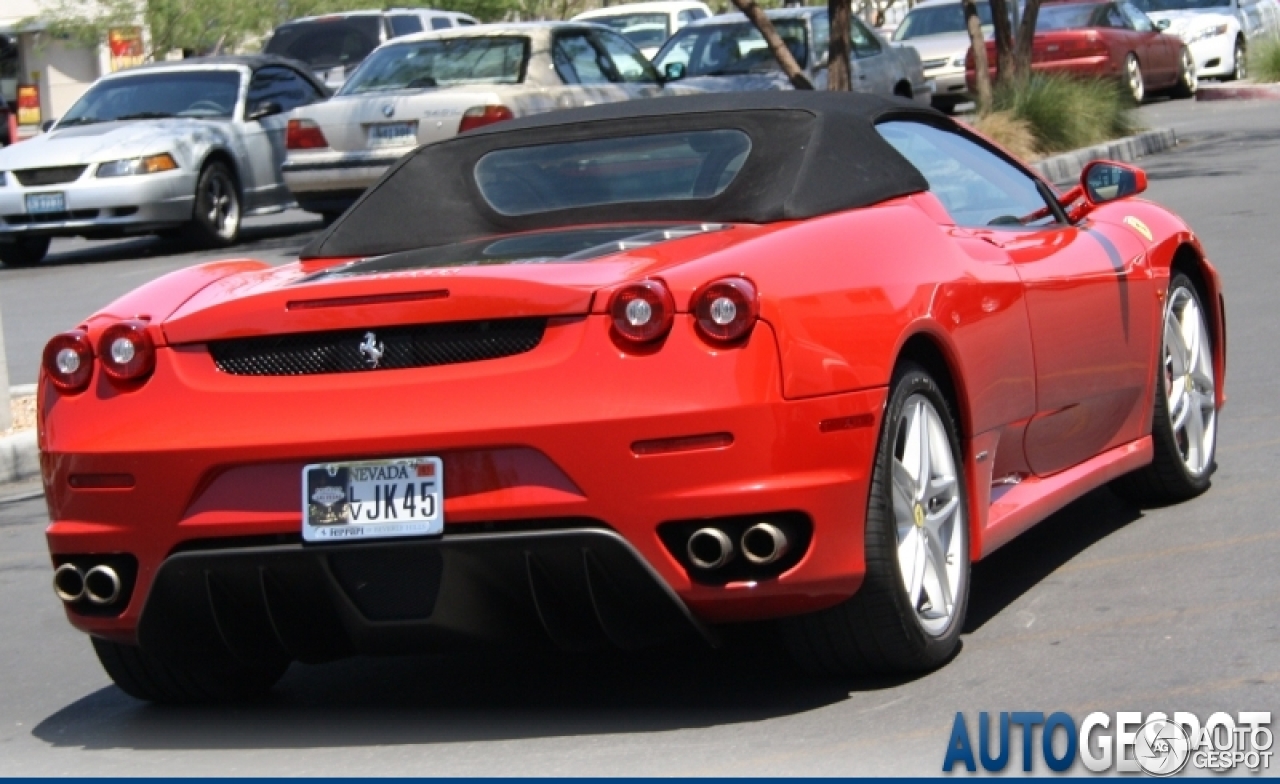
<point x="126" y="351"/>
<point x="725" y="310"/>
<point x="643" y="312"/>
<point x="68" y="360"/>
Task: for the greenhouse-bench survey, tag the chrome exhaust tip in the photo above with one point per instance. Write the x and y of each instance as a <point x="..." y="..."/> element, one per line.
<point x="710" y="548"/>
<point x="102" y="585"/>
<point x="68" y="583"/>
<point x="764" y="543"/>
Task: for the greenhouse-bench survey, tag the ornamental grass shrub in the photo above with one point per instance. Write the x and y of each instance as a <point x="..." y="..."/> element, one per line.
<point x="1012" y="133"/>
<point x="1264" y="60"/>
<point x="1065" y="113"/>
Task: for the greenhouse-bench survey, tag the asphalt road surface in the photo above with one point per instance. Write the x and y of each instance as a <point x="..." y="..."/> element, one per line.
<point x="1103" y="607"/>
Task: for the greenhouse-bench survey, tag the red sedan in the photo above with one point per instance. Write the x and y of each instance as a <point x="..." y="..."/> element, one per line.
<point x="1113" y="40"/>
<point x="621" y="376"/>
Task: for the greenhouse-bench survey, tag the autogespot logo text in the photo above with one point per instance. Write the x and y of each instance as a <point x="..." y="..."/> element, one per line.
<point x="1127" y="742"/>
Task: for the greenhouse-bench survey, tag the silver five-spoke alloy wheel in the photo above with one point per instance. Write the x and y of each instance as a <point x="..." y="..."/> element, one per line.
<point x="928" y="515"/>
<point x="222" y="207"/>
<point x="1189" y="382"/>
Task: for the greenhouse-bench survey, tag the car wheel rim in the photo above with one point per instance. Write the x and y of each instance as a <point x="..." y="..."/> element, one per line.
<point x="1188" y="382"/>
<point x="1135" y="79"/>
<point x="1189" y="72"/>
<point x="221" y="207"/>
<point x="1242" y="66"/>
<point x="928" y="515"/>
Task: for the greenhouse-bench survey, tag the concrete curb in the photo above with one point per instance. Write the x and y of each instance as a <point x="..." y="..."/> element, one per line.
<point x="1065" y="167"/>
<point x="1239" y="92"/>
<point x="19" y="456"/>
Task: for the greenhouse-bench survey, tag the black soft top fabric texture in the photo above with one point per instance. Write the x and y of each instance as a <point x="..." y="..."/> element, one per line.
<point x="813" y="153"/>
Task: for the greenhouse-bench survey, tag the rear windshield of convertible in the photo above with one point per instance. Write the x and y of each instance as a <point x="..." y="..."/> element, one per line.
<point x="642" y="168"/>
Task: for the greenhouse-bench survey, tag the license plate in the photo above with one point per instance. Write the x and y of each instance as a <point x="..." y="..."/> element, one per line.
<point x="385" y="134"/>
<point x="46" y="202"/>
<point x="372" y="499"/>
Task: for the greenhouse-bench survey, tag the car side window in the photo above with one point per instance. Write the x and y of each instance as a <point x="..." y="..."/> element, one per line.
<point x="628" y="63"/>
<point x="864" y="42"/>
<point x="977" y="187"/>
<point x="685" y="17"/>
<point x="1140" y="21"/>
<point x="281" y="85"/>
<point x="440" y="23"/>
<point x="405" y="24"/>
<point x="577" y="60"/>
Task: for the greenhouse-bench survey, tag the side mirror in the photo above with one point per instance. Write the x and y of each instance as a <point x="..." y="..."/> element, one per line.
<point x="673" y="72"/>
<point x="46" y="125"/>
<point x="262" y="109"/>
<point x="1163" y="24"/>
<point x="1104" y="181"/>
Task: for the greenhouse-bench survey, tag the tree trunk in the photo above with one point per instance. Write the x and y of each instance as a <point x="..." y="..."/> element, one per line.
<point x="776" y="45"/>
<point x="1004" y="40"/>
<point x="1026" y="35"/>
<point x="838" y="75"/>
<point x="981" y="69"/>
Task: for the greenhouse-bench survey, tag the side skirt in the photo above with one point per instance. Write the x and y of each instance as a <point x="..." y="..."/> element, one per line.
<point x="1035" y="498"/>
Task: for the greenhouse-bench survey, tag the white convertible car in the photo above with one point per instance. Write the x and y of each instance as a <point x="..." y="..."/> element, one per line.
<point x="428" y="87"/>
<point x="187" y="147"/>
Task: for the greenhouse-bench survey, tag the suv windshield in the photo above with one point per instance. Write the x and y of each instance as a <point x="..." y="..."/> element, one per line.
<point x="162" y="93"/>
<point x="725" y="49"/>
<point x="440" y="63"/>
<point x="656" y="167"/>
<point x="328" y="42"/>
<point x="643" y="30"/>
<point x="937" y="20"/>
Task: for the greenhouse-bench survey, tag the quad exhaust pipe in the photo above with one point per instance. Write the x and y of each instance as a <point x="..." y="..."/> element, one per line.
<point x="710" y="548"/>
<point x="100" y="585"/>
<point x="764" y="543"/>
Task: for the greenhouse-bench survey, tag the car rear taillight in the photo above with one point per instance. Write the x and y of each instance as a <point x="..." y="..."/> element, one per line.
<point x="725" y="310"/>
<point x="642" y="312"/>
<point x="304" y="135"/>
<point x="480" y="116"/>
<point x="126" y="351"/>
<point x="68" y="359"/>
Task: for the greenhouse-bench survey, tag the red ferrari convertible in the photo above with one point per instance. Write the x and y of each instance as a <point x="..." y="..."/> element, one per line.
<point x="620" y="376"/>
<point x="1110" y="40"/>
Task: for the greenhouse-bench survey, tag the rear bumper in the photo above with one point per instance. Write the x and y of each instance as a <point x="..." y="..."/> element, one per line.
<point x="573" y="589"/>
<point x="543" y="435"/>
<point x="318" y="173"/>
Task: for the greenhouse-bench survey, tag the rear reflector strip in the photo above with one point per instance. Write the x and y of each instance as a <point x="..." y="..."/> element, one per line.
<point x="101" y="481"/>
<point x="369" y="299"/>
<point x="660" y="446"/>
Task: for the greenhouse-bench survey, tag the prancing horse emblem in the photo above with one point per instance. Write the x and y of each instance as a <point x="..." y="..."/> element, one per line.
<point x="371" y="350"/>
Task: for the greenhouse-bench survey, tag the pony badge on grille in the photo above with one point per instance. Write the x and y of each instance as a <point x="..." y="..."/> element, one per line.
<point x="371" y="350"/>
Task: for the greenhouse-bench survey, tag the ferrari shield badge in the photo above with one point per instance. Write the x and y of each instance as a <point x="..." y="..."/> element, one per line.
<point x="1138" y="226"/>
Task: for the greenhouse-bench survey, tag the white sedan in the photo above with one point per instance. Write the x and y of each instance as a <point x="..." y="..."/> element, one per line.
<point x="428" y="87"/>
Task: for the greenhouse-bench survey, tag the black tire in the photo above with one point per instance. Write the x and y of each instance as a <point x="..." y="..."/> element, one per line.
<point x="1239" y="62"/>
<point x="215" y="222"/>
<point x="25" y="252"/>
<point x="215" y="680"/>
<point x="1169" y="479"/>
<point x="1188" y="83"/>
<point x="1134" y="83"/>
<point x="878" y="630"/>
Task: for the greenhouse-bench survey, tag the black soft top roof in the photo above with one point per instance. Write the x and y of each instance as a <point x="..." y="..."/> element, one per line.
<point x="813" y="153"/>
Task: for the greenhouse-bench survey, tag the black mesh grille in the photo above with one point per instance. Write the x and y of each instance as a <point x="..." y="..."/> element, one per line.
<point x="56" y="175"/>
<point x="401" y="347"/>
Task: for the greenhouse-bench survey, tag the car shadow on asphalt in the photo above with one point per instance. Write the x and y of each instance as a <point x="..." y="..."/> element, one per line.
<point x="417" y="700"/>
<point x="278" y="236"/>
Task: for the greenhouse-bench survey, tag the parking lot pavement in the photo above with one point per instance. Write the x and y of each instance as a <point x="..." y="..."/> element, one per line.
<point x="1103" y="607"/>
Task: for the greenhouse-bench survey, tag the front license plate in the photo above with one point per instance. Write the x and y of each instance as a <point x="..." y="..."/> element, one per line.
<point x="46" y="202"/>
<point x="372" y="499"/>
<point x="387" y="134"/>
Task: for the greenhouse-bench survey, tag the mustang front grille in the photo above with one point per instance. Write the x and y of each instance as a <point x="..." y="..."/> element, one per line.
<point x="382" y="348"/>
<point x="56" y="175"/>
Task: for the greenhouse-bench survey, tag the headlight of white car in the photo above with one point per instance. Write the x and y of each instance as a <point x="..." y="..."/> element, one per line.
<point x="1192" y="36"/>
<point x="958" y="60"/>
<point x="130" y="166"/>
